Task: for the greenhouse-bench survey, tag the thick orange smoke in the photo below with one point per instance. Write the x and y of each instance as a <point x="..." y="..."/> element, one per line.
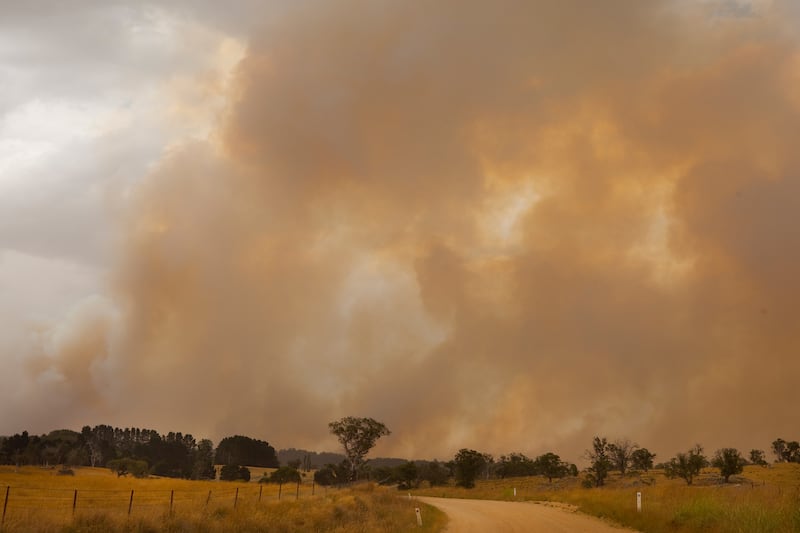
<point x="506" y="226"/>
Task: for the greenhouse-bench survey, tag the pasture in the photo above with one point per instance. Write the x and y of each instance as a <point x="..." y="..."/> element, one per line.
<point x="96" y="500"/>
<point x="762" y="499"/>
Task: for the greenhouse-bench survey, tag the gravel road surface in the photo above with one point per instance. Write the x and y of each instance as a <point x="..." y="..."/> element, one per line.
<point x="485" y="516"/>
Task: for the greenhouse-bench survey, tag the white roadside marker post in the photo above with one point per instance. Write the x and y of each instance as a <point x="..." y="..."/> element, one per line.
<point x="515" y="492"/>
<point x="419" y="516"/>
<point x="639" y="502"/>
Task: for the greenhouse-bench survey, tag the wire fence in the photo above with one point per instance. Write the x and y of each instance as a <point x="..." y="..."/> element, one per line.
<point x="21" y="501"/>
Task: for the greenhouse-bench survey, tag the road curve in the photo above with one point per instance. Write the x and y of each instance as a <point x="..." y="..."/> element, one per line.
<point x="480" y="516"/>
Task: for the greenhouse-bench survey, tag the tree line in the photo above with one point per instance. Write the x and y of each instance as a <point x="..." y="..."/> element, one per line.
<point x="143" y="452"/>
<point x="136" y="451"/>
<point x="467" y="465"/>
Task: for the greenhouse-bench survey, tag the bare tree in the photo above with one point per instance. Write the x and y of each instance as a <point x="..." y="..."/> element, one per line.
<point x="621" y="452"/>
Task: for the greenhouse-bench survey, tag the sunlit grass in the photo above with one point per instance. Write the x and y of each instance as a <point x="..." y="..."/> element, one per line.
<point x="40" y="501"/>
<point x="759" y="500"/>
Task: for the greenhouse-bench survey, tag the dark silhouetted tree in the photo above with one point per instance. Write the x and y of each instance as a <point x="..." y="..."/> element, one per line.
<point x="620" y="452"/>
<point x="779" y="449"/>
<point x="240" y="450"/>
<point x="758" y="457"/>
<point x="515" y="465"/>
<point x="234" y="473"/>
<point x="687" y="465"/>
<point x="642" y="459"/>
<point x="729" y="461"/>
<point x="14" y="448"/>
<point x="551" y="466"/>
<point x="435" y="473"/>
<point x="407" y="476"/>
<point x="786" y="452"/>
<point x="600" y="462"/>
<point x="203" y="467"/>
<point x="468" y="465"/>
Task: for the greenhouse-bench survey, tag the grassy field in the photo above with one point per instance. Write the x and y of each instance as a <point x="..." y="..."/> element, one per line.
<point x="40" y="501"/>
<point x="760" y="500"/>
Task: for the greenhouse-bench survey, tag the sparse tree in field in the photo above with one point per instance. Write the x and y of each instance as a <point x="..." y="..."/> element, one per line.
<point x="757" y="457"/>
<point x="600" y="462"/>
<point x="642" y="459"/>
<point x="687" y="465"/>
<point x="786" y="452"/>
<point x="357" y="436"/>
<point x="779" y="449"/>
<point x="620" y="453"/>
<point x="285" y="474"/>
<point x="729" y="461"/>
<point x="793" y="451"/>
<point x="468" y="465"/>
<point x="550" y="465"/>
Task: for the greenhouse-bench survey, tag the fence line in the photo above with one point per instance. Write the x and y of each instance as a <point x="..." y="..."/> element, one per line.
<point x="24" y="499"/>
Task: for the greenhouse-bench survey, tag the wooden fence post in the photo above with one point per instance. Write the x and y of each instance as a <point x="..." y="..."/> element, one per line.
<point x="74" y="501"/>
<point x="5" y="506"/>
<point x="171" y="500"/>
<point x="297" y="494"/>
<point x="209" y="498"/>
<point x="236" y="498"/>
<point x="130" y="503"/>
<point x="260" y="490"/>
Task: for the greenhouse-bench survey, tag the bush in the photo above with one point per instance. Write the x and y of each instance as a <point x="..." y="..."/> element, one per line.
<point x="234" y="473"/>
<point x="332" y="474"/>
<point x="125" y="466"/>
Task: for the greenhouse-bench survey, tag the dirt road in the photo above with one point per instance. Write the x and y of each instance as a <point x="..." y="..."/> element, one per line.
<point x="481" y="516"/>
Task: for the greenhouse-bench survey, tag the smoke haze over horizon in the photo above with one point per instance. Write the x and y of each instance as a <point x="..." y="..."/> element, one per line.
<point x="506" y="226"/>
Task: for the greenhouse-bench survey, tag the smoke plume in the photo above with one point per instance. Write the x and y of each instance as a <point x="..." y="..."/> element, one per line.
<point x="508" y="226"/>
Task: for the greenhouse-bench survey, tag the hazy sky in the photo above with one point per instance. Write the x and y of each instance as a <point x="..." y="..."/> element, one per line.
<point x="508" y="226"/>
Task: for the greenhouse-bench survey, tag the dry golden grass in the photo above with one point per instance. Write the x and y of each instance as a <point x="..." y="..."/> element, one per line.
<point x="41" y="502"/>
<point x="760" y="500"/>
